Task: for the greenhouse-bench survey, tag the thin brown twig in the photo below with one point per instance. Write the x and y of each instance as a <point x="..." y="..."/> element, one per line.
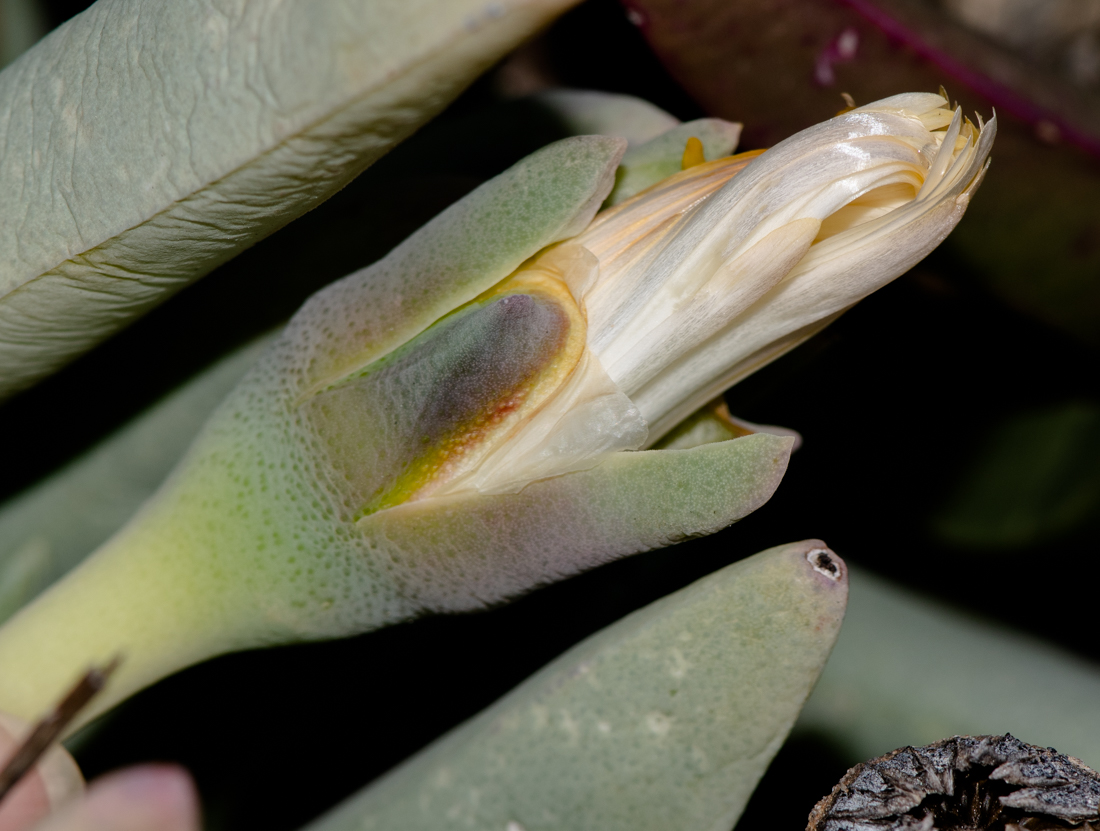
<point x="50" y="727"/>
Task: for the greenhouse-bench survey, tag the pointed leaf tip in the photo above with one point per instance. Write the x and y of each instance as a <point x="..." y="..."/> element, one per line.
<point x="665" y="719"/>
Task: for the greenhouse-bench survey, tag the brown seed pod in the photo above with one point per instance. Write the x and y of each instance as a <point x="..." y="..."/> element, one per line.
<point x="966" y="783"/>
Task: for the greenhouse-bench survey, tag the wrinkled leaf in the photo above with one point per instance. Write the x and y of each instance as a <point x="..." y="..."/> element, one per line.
<point x="664" y="720"/>
<point x="149" y="142"/>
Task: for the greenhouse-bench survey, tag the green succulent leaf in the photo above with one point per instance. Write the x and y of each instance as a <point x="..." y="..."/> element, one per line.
<point x="666" y="719"/>
<point x="49" y="529"/>
<point x="148" y="142"/>
<point x="207" y="567"/>
<point x="557" y="527"/>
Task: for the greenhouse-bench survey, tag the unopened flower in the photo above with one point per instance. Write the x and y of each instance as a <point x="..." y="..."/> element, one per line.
<point x="452" y="426"/>
<point x="731" y="275"/>
<point x="684" y="289"/>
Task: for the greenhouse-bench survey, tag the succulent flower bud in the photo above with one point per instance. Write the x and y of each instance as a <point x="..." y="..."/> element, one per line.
<point x="719" y="278"/>
<point x="661" y="303"/>
<point x="447" y="427"/>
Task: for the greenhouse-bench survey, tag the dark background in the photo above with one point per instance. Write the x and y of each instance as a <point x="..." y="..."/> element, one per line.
<point x="895" y="402"/>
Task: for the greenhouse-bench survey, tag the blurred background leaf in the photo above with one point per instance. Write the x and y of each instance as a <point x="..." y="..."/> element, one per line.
<point x="22" y="23"/>
<point x="908" y="670"/>
<point x="1034" y="478"/>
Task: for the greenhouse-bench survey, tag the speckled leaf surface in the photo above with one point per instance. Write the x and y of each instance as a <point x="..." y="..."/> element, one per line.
<point x="147" y="142"/>
<point x="666" y="719"/>
<point x="556" y="527"/>
<point x="96" y="495"/>
<point x="908" y="671"/>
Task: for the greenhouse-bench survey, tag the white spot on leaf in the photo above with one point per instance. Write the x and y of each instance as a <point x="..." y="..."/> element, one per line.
<point x="658" y="723"/>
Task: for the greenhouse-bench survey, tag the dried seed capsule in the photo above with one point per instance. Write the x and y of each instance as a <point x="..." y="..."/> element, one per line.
<point x="969" y="783"/>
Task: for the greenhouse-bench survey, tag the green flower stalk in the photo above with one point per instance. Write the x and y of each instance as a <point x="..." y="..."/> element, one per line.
<point x="469" y="417"/>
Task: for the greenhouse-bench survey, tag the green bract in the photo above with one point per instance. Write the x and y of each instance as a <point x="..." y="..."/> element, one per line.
<point x="659" y="158"/>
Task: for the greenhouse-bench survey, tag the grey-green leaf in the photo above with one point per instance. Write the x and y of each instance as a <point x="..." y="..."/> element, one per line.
<point x="664" y="720"/>
<point x="550" y="195"/>
<point x="147" y="141"/>
<point x="910" y="671"/>
<point x="593" y="112"/>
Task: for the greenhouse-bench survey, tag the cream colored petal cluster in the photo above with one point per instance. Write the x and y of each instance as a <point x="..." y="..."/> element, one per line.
<point x="716" y="271"/>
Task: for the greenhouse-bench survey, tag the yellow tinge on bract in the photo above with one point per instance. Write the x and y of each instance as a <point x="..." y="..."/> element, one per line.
<point x="468" y="418"/>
